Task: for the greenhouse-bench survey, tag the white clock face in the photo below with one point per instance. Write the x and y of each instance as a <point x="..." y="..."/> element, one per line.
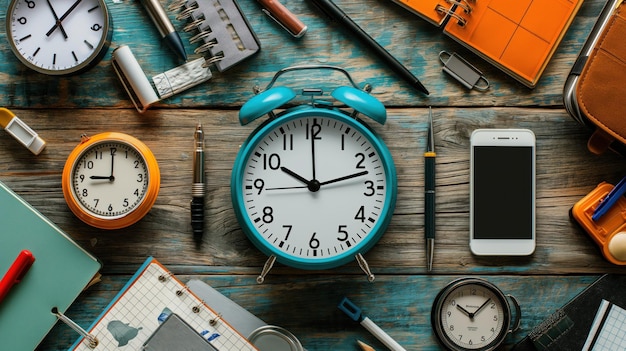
<point x="473" y="316"/>
<point x="314" y="188"/>
<point x="110" y="179"/>
<point x="57" y="36"/>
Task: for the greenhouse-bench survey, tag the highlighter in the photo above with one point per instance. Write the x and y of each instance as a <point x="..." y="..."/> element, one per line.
<point x="21" y="131"/>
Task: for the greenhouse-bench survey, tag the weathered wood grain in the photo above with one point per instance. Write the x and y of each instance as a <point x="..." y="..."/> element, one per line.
<point x="61" y="109"/>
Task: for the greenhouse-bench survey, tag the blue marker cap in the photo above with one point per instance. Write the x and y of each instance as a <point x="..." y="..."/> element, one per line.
<point x="352" y="310"/>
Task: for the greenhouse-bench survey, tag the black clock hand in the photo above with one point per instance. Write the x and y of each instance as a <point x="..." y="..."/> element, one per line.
<point x="56" y="19"/>
<point x="312" y="185"/>
<point x="112" y="159"/>
<point x="358" y="174"/>
<point x="468" y="313"/>
<point x="482" y="306"/>
<point x="295" y="175"/>
<point x="67" y="13"/>
<point x="110" y="178"/>
<point x="314" y="132"/>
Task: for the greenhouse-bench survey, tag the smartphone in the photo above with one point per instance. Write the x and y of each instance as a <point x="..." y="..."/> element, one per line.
<point x="502" y="192"/>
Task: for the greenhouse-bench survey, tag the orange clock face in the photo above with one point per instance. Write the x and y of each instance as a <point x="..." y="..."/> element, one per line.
<point x="111" y="180"/>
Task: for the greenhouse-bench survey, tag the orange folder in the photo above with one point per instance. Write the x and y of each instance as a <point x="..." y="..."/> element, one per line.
<point x="519" y="37"/>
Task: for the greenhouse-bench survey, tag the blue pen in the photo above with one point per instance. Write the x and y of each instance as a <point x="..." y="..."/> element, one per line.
<point x="354" y="312"/>
<point x="605" y="204"/>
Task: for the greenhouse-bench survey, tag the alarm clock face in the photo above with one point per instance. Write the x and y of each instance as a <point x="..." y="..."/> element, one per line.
<point x="314" y="187"/>
<point x="471" y="314"/>
<point x="110" y="179"/>
<point x="58" y="37"/>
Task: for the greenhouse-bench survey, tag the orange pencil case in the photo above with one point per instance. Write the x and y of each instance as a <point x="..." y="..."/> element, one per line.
<point x="609" y="231"/>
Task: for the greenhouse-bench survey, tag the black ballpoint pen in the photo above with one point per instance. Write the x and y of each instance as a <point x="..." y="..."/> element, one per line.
<point x="197" y="188"/>
<point x="337" y="14"/>
<point x="429" y="193"/>
<point x="157" y="14"/>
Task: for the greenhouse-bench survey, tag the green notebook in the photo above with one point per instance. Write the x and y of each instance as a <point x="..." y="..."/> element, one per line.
<point x="61" y="270"/>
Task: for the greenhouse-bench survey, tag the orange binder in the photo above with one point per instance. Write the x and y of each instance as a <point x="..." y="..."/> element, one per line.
<point x="519" y="37"/>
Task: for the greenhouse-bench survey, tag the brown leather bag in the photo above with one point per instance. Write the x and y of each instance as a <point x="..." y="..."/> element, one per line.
<point x="601" y="91"/>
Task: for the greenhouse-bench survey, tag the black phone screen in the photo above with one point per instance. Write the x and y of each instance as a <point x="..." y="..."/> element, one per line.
<point x="503" y="192"/>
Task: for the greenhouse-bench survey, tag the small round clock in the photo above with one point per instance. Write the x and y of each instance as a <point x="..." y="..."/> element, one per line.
<point x="59" y="37"/>
<point x="313" y="187"/>
<point x="111" y="180"/>
<point x="473" y="314"/>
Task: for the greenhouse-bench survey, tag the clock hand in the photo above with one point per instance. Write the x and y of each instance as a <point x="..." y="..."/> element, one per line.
<point x="112" y="159"/>
<point x="110" y="178"/>
<point x="312" y="185"/>
<point x="482" y="306"/>
<point x="287" y="188"/>
<point x="58" y="23"/>
<point x="468" y="313"/>
<point x="354" y="175"/>
<point x="56" y="19"/>
<point x="314" y="132"/>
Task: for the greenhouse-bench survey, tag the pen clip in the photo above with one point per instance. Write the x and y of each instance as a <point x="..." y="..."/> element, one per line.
<point x="608" y="201"/>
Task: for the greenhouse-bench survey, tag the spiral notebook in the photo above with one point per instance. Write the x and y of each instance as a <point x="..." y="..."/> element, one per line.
<point x="62" y="269"/>
<point x="519" y="37"/>
<point x="149" y="297"/>
<point x="220" y="30"/>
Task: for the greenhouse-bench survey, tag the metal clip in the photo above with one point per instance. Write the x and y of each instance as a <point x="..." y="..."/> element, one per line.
<point x="463" y="71"/>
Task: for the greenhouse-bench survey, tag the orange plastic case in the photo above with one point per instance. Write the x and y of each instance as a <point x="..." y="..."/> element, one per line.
<point x="609" y="232"/>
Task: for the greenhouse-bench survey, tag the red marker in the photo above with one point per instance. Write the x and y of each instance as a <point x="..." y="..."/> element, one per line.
<point x="16" y="272"/>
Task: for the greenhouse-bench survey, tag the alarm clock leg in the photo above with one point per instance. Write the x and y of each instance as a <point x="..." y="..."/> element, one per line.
<point x="266" y="269"/>
<point x="365" y="267"/>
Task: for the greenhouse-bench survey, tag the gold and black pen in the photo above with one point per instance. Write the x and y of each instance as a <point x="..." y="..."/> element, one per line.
<point x="198" y="187"/>
<point x="429" y="193"/>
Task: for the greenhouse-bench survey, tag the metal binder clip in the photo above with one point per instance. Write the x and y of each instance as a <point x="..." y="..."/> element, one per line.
<point x="463" y="71"/>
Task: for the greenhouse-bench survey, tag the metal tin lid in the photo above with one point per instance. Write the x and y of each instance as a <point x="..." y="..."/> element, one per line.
<point x="273" y="338"/>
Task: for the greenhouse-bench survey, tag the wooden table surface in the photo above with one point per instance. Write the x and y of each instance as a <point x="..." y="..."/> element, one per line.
<point x="304" y="302"/>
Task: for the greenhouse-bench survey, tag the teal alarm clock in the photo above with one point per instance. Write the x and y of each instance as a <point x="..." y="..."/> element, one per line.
<point x="313" y="187"/>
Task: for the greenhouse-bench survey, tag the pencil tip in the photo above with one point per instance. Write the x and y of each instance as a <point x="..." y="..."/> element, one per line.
<point x="364" y="346"/>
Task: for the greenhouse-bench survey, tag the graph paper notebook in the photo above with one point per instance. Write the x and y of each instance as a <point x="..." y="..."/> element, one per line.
<point x="60" y="272"/>
<point x="519" y="37"/>
<point x="149" y="297"/>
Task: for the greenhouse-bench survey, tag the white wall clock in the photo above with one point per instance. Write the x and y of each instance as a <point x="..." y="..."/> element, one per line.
<point x="59" y="37"/>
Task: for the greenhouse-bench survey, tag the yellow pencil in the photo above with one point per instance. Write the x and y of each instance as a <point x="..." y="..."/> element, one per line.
<point x="364" y="346"/>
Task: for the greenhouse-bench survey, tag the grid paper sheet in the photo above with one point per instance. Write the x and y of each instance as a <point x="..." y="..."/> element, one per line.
<point x="145" y="302"/>
<point x="608" y="331"/>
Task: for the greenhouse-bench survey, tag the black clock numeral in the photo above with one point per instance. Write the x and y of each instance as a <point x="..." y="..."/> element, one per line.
<point x="136" y="162"/>
<point x="268" y="214"/>
<point x="272" y="161"/>
<point x="360" y="160"/>
<point x="98" y="155"/>
<point x="125" y="203"/>
<point x="360" y="215"/>
<point x="110" y="208"/>
<point x="85" y="193"/>
<point x="370" y="186"/>
<point x="88" y="164"/>
<point x="259" y="184"/>
<point x="314" y="131"/>
<point x="314" y="243"/>
<point x="31" y="4"/>
<point x="288" y="227"/>
<point x="96" y="27"/>
<point x="22" y="20"/>
<point x="82" y="178"/>
<point x="140" y="178"/>
<point x="343" y="233"/>
<point x="288" y="142"/>
<point x="96" y="202"/>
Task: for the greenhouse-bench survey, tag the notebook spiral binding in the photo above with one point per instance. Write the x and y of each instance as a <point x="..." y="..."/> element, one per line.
<point x="93" y="342"/>
<point x="464" y="4"/>
<point x="224" y="34"/>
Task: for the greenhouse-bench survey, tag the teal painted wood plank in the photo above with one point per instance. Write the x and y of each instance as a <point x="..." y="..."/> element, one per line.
<point x="307" y="306"/>
<point x="412" y="40"/>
